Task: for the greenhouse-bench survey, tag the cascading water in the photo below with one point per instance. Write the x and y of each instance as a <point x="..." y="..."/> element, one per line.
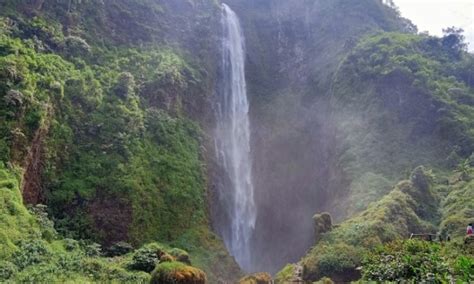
<point x="233" y="143"/>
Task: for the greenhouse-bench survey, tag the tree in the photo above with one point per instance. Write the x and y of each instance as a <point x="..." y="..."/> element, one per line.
<point x="454" y="40"/>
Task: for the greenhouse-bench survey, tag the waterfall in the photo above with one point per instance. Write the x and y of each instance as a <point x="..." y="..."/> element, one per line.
<point x="233" y="143"/>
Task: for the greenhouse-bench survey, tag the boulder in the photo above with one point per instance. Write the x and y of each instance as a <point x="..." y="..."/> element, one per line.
<point x="322" y="224"/>
<point x="180" y="255"/>
<point x="165" y="257"/>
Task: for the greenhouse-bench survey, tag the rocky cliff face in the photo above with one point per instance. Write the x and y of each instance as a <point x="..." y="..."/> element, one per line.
<point x="321" y="144"/>
<point x="294" y="49"/>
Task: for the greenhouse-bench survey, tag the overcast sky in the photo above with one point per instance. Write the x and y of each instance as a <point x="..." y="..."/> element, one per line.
<point x="434" y="15"/>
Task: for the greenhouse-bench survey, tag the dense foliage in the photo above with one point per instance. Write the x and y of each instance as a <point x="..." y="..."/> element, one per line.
<point x="410" y="208"/>
<point x="401" y="100"/>
<point x="99" y="128"/>
<point x="420" y="261"/>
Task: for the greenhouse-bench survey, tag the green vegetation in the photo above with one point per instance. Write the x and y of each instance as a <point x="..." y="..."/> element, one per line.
<point x="177" y="272"/>
<point x="409" y="208"/>
<point x="286" y="274"/>
<point x="32" y="251"/>
<point x="419" y="261"/>
<point x="118" y="156"/>
<point x="256" y="278"/>
<point x="394" y="95"/>
<point x="401" y="100"/>
<point x="457" y="207"/>
<point x="17" y="223"/>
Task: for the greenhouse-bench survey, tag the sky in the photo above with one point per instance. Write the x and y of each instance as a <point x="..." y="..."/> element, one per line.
<point x="434" y="15"/>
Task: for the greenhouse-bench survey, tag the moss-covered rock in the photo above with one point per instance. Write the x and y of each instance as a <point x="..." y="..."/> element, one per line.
<point x="257" y="278"/>
<point x="177" y="273"/>
<point x="166" y="257"/>
<point x="286" y="274"/>
<point x="322" y="225"/>
<point x="180" y="255"/>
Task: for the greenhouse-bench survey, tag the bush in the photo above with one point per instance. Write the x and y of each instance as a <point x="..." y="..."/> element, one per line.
<point x="4" y="151"/>
<point x="286" y="274"/>
<point x="180" y="255"/>
<point x="77" y="46"/>
<point x="47" y="226"/>
<point x="338" y="259"/>
<point x="412" y="260"/>
<point x="71" y="244"/>
<point x="177" y="273"/>
<point x="146" y="258"/>
<point x="30" y="252"/>
<point x="465" y="269"/>
<point x="118" y="249"/>
<point x="7" y="270"/>
<point x="91" y="249"/>
<point x="125" y="86"/>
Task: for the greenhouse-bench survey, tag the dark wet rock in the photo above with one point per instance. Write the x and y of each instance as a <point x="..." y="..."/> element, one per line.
<point x="322" y="225"/>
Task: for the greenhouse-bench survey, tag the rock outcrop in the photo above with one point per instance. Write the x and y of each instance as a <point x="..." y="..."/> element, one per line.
<point x="322" y="225"/>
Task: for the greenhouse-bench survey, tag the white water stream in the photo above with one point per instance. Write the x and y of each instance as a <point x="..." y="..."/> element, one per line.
<point x="233" y="141"/>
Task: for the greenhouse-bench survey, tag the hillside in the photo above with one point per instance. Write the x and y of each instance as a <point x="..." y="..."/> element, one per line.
<point x="102" y="123"/>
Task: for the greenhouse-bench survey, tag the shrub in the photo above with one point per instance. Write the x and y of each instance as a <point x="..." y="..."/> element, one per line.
<point x="91" y="249"/>
<point x="180" y="255"/>
<point x="47" y="226"/>
<point x="286" y="274"/>
<point x="14" y="98"/>
<point x="77" y="46"/>
<point x="146" y="258"/>
<point x="119" y="248"/>
<point x="103" y="271"/>
<point x="177" y="273"/>
<point x="338" y="259"/>
<point x="465" y="269"/>
<point x="125" y="85"/>
<point x="71" y="244"/>
<point x="412" y="260"/>
<point x="7" y="270"/>
<point x="4" y="151"/>
<point x="30" y="252"/>
<point x="256" y="278"/>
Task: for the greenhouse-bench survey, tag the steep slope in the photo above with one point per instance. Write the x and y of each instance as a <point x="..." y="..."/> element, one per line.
<point x="398" y="100"/>
<point x="105" y="113"/>
<point x="293" y="51"/>
<point x="409" y="208"/>
<point x="337" y="118"/>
